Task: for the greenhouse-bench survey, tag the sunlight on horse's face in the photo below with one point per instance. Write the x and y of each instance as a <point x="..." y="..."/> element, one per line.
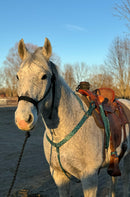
<point x="32" y="82"/>
<point x="34" y="78"/>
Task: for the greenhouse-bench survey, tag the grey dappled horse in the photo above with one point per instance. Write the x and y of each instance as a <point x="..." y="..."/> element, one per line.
<point x="41" y="90"/>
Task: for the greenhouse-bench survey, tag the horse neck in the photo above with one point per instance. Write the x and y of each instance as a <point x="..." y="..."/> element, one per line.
<point x="68" y="111"/>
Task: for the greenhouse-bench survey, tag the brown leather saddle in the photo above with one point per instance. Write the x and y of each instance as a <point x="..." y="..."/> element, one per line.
<point x="117" y="117"/>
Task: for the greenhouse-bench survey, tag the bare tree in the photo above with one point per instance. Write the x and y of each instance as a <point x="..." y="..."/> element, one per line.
<point x="118" y="64"/>
<point x="1" y="79"/>
<point x="123" y="11"/>
<point x="74" y="74"/>
<point x="101" y="80"/>
<point x="11" y="66"/>
<point x="80" y="72"/>
<point x="68" y="75"/>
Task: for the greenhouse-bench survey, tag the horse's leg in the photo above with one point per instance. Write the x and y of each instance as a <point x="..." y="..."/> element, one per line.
<point x="62" y="182"/>
<point x="90" y="184"/>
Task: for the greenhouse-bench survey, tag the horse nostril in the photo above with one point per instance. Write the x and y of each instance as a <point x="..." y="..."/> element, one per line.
<point x="30" y="119"/>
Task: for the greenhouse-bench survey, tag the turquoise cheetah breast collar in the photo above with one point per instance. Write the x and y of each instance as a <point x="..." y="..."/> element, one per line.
<point x="71" y="134"/>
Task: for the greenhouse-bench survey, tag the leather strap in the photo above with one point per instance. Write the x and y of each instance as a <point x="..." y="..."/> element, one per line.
<point x="34" y="102"/>
<point x="28" y="99"/>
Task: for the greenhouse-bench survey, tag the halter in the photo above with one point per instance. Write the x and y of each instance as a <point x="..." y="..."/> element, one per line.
<point x="34" y="102"/>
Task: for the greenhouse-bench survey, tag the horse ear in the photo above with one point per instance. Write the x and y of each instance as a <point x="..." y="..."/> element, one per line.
<point x="22" y="50"/>
<point x="47" y="49"/>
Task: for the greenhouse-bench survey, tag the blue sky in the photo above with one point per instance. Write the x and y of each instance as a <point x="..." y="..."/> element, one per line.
<point x="79" y="30"/>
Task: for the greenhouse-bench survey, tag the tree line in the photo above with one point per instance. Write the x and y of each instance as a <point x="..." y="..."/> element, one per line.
<point x="114" y="73"/>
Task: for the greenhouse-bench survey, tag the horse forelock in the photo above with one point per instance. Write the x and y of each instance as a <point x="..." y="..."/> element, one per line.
<point x="36" y="58"/>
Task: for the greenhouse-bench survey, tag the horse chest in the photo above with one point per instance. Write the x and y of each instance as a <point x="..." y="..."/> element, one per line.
<point x="70" y="157"/>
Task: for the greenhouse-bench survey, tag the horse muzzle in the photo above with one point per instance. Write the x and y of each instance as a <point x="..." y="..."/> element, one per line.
<point x="27" y="118"/>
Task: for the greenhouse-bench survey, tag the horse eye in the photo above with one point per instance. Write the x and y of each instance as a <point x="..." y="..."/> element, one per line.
<point x="44" y="77"/>
<point x="17" y="77"/>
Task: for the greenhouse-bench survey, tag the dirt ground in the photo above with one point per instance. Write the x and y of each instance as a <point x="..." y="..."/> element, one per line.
<point x="33" y="177"/>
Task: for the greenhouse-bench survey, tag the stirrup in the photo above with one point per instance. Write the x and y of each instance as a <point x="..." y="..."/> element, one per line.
<point x="113" y="168"/>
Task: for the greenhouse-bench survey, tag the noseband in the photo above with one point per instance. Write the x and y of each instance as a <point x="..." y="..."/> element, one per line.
<point x="34" y="102"/>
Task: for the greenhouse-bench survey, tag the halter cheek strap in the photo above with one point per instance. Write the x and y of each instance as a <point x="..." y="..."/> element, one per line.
<point x="31" y="100"/>
<point x="34" y="102"/>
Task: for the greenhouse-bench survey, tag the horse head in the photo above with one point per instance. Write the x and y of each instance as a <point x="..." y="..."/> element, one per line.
<point x="35" y="80"/>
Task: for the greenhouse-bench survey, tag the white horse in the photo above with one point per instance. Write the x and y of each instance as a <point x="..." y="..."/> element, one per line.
<point x="42" y="91"/>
